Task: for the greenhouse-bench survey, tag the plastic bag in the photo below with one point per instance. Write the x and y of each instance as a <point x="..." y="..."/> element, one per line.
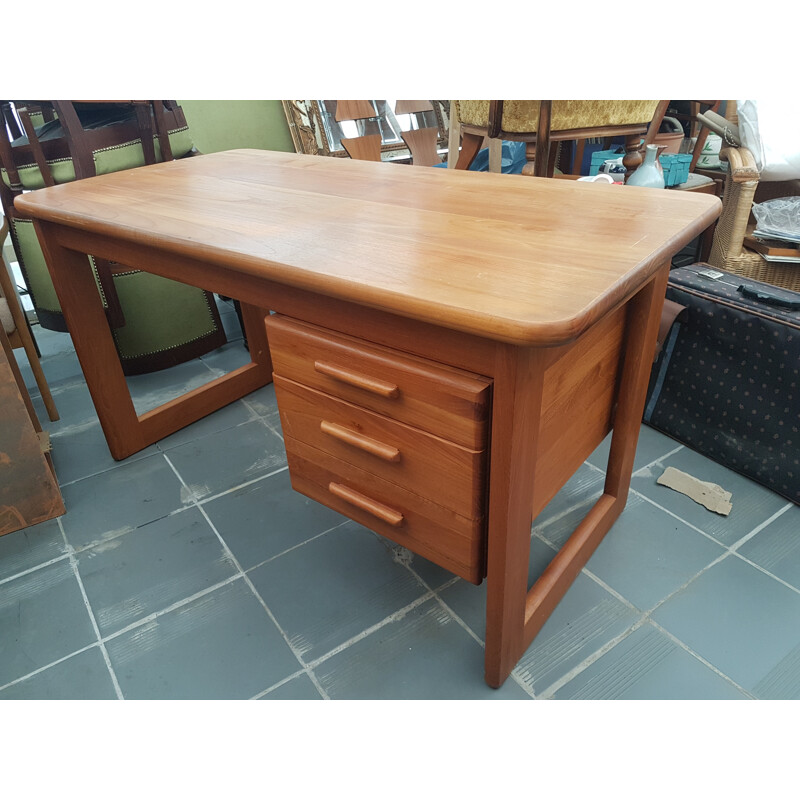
<point x="780" y="216"/>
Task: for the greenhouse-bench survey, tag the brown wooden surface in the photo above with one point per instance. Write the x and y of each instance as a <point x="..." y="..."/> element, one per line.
<point x="422" y="143"/>
<point x="427" y="465"/>
<point x="29" y="492"/>
<point x="364" y="148"/>
<point x="354" y="109"/>
<point x="447" y="403"/>
<point x="450" y="287"/>
<point x="412" y="106"/>
<point x="506" y="257"/>
<point x="455" y="542"/>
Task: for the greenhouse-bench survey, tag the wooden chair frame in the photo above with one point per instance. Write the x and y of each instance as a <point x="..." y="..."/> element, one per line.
<point x="538" y="150"/>
<point x="21" y="336"/>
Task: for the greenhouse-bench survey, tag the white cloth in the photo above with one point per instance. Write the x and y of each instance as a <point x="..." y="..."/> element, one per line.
<point x="770" y="130"/>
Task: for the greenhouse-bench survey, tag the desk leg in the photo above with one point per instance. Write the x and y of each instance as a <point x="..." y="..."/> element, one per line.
<point x="94" y="345"/>
<point x="515" y="615"/>
<point x="126" y="432"/>
<point x="516" y="408"/>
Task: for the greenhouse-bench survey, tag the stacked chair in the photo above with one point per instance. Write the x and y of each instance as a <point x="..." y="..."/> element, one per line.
<point x="156" y="323"/>
<point x="15" y="325"/>
<point x="539" y="123"/>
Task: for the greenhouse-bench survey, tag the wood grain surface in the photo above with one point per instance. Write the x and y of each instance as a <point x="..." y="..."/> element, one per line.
<point x="512" y="258"/>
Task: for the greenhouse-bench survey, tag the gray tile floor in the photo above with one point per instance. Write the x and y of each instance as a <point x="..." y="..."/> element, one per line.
<point x="192" y="570"/>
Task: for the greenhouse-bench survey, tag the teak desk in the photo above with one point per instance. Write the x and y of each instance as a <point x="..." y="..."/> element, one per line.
<point x="448" y="346"/>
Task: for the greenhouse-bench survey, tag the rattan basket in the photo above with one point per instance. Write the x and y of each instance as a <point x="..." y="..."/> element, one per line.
<point x="727" y="250"/>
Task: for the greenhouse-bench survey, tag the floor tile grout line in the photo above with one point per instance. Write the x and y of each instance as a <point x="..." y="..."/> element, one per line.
<point x="74" y="565"/>
<point x="765" y="571"/>
<point x="44" y="668"/>
<point x="746" y="538"/>
<point x="36" y="568"/>
<point x="203" y="500"/>
<point x="548" y="693"/>
<point x="700" y="658"/>
<point x="296" y="546"/>
<point x="158" y="451"/>
<point x="446" y="585"/>
<point x="281" y="682"/>
<point x="644" y="466"/>
<point x="646" y="613"/>
<point x="309" y="671"/>
<point x="368" y="631"/>
<point x="178" y="604"/>
<point x="680" y="519"/>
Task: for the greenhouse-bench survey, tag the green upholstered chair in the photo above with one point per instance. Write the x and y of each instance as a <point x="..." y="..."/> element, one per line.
<point x="156" y="323"/>
<point x="540" y="122"/>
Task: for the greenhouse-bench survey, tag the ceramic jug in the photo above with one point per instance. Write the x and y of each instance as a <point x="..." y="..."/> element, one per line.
<point x="649" y="172"/>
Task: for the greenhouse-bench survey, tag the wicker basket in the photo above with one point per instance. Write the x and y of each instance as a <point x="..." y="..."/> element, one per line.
<point x="727" y="250"/>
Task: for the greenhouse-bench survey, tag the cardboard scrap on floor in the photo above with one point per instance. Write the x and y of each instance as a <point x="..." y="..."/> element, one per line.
<point x="710" y="495"/>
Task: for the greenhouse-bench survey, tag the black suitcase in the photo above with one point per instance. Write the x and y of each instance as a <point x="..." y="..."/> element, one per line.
<point x="725" y="382"/>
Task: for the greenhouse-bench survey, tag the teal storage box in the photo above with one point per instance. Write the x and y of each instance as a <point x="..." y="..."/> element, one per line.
<point x="601" y="156"/>
<point x="676" y="168"/>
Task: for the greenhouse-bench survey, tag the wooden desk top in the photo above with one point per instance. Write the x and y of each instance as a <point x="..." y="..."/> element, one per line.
<point x="509" y="257"/>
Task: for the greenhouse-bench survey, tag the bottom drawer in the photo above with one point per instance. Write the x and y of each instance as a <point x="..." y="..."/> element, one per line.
<point x="432" y="531"/>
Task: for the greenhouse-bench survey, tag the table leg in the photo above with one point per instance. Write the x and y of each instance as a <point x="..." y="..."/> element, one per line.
<point x="125" y="431"/>
<point x="516" y="408"/>
<point x="514" y="614"/>
<point x="86" y="320"/>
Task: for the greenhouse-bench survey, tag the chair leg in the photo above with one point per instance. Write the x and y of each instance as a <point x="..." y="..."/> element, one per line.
<point x="470" y="145"/>
<point x="30" y="348"/>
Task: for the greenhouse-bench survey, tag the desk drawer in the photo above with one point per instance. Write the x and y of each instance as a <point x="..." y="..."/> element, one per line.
<point x="449" y="403"/>
<point x="447" y="473"/>
<point x="434" y="532"/>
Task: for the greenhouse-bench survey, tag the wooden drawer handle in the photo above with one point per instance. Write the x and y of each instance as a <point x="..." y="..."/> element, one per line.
<point x="373" y="446"/>
<point x="367" y="504"/>
<point x="374" y="385"/>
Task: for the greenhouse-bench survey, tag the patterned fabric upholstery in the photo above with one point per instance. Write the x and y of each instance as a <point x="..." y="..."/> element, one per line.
<point x="522" y="116"/>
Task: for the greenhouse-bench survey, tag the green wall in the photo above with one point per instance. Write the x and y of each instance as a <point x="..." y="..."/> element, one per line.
<point x="231" y="124"/>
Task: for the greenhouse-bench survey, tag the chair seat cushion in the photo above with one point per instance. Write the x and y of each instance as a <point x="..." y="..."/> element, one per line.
<point x="693" y="182"/>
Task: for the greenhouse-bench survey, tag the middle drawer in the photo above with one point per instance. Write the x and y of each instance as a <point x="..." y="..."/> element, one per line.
<point x="452" y="475"/>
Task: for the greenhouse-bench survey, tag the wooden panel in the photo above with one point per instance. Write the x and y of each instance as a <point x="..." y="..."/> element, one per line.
<point x="577" y="405"/>
<point x="423" y="146"/>
<point x="448" y="403"/>
<point x="354" y="109"/>
<point x="519" y="260"/>
<point x="454" y="542"/>
<point x="364" y="148"/>
<point x="29" y="493"/>
<point x="449" y="475"/>
<point x="412" y="106"/>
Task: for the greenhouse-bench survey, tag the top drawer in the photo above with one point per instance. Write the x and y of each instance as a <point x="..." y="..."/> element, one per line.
<point x="441" y="400"/>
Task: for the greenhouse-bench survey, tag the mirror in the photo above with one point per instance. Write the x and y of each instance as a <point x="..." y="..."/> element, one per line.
<point x="315" y="131"/>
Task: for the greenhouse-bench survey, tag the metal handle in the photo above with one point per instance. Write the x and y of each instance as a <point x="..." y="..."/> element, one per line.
<point x="365" y="443"/>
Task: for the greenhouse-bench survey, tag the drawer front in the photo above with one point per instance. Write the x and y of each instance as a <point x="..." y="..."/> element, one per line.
<point x="446" y="402"/>
<point x="438" y="534"/>
<point x="448" y="474"/>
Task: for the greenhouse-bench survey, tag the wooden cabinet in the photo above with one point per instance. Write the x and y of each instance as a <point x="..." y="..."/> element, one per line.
<point x="396" y="442"/>
<point x="29" y="491"/>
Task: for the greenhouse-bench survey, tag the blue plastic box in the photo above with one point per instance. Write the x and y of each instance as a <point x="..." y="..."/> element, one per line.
<point x="676" y="168"/>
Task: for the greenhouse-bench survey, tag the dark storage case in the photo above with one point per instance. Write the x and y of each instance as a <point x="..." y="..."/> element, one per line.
<point x="725" y="382"/>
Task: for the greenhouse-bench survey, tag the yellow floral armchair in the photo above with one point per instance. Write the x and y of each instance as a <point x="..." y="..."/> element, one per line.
<point x="540" y="122"/>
